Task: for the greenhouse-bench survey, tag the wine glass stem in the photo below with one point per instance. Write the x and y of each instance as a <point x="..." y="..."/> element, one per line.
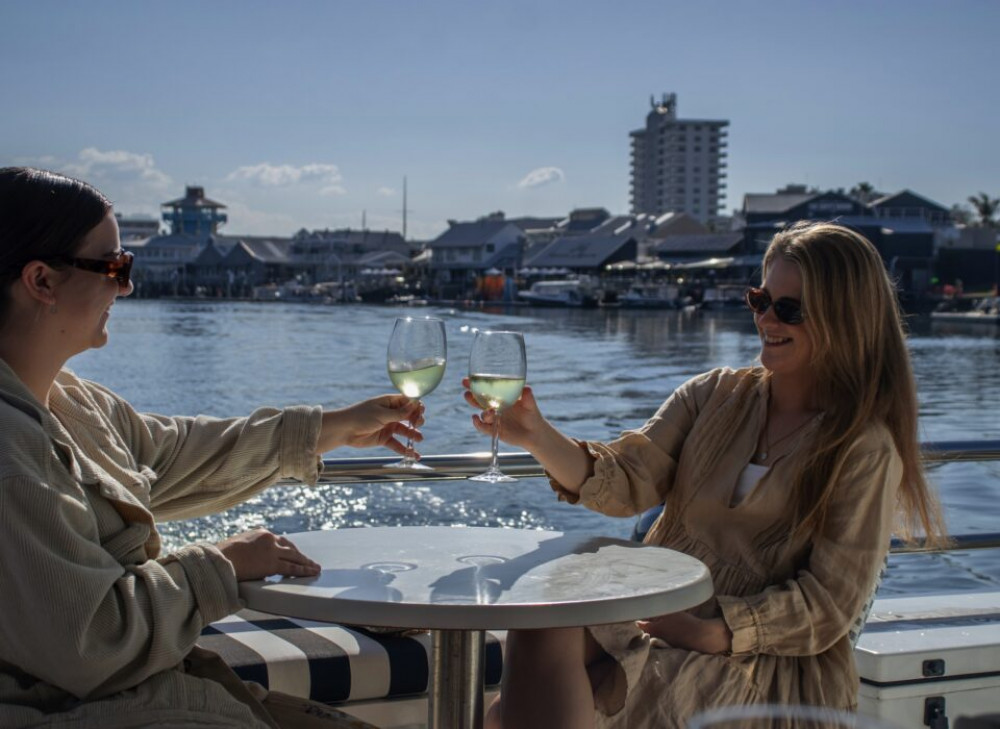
<point x="496" y="440"/>
<point x="408" y="456"/>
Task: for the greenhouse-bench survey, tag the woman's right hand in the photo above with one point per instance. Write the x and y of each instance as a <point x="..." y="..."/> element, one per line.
<point x="259" y="553"/>
<point x="519" y="424"/>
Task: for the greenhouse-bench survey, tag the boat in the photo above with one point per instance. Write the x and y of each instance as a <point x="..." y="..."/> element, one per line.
<point x="723" y="296"/>
<point x="984" y="311"/>
<point x="924" y="660"/>
<point x="646" y="295"/>
<point x="575" y="292"/>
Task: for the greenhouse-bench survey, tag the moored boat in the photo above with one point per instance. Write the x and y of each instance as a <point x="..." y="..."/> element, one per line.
<point x="651" y="296"/>
<point x="985" y="311"/>
<point x="575" y="292"/>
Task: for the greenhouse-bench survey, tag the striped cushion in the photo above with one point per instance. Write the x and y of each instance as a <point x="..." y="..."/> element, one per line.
<point x="328" y="662"/>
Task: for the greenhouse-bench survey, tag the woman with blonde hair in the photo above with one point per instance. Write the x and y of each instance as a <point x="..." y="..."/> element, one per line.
<point x="786" y="479"/>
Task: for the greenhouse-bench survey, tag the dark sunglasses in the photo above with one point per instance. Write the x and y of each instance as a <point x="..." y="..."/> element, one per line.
<point x="788" y="311"/>
<point x="119" y="268"/>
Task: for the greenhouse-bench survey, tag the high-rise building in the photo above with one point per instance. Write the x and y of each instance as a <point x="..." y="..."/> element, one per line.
<point x="678" y="165"/>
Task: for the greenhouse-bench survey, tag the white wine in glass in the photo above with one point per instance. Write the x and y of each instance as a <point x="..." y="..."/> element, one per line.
<point x="497" y="370"/>
<point x="416" y="360"/>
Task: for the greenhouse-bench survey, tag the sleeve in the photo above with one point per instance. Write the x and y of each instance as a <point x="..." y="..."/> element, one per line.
<point x="810" y="613"/>
<point x="205" y="464"/>
<point x="75" y="617"/>
<point x="636" y="471"/>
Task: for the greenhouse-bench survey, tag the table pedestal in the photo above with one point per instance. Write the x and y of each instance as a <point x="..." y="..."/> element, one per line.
<point x="458" y="671"/>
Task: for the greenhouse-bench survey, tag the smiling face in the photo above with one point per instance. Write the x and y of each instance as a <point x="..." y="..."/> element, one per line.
<point x="84" y="297"/>
<point x="786" y="349"/>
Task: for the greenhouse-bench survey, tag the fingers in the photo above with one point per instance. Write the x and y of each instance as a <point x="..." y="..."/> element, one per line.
<point x="292" y="562"/>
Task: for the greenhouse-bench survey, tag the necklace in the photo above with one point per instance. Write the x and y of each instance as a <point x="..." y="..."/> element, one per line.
<point x="761" y="456"/>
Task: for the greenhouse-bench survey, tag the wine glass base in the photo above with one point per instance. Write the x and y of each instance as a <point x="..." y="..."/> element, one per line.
<point x="408" y="464"/>
<point x="492" y="477"/>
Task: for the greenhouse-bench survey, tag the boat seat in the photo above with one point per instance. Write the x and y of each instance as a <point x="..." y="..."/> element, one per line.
<point x="328" y="662"/>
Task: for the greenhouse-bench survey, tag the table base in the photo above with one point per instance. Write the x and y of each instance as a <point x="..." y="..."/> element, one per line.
<point x="458" y="671"/>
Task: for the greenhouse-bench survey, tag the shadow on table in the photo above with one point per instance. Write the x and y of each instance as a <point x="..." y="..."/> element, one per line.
<point x="488" y="576"/>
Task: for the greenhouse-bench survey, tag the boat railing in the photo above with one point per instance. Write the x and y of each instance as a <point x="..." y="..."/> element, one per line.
<point x="453" y="467"/>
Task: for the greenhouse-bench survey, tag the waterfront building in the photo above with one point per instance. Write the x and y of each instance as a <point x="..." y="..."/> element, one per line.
<point x="193" y="214"/>
<point x="461" y="254"/>
<point x="904" y="227"/>
<point x="343" y="254"/>
<point x="678" y="165"/>
<point x="910" y="205"/>
<point x="583" y="254"/>
<point x="690" y="248"/>
<point x="136" y="227"/>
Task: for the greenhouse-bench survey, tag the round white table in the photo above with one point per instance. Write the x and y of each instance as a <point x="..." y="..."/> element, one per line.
<point x="461" y="581"/>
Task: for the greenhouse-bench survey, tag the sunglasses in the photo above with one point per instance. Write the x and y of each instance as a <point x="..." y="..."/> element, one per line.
<point x="788" y="311"/>
<point x="119" y="268"/>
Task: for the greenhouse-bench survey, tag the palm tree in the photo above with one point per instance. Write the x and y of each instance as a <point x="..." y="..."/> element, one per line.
<point x="863" y="192"/>
<point x="986" y="207"/>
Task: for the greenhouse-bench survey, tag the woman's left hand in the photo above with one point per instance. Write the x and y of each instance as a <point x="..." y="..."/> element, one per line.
<point x="683" y="630"/>
<point x="374" y="422"/>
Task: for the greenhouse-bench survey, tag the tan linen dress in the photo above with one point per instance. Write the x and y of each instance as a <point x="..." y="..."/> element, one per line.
<point x="789" y="606"/>
<point x="96" y="626"/>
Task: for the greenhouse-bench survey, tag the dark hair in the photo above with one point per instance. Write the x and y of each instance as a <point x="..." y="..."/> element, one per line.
<point x="43" y="215"/>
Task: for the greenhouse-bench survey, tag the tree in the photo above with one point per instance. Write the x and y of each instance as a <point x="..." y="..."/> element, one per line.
<point x="864" y="192"/>
<point x="986" y="208"/>
<point x="961" y="215"/>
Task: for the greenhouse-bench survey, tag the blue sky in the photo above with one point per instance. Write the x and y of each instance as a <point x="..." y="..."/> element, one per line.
<point x="309" y="114"/>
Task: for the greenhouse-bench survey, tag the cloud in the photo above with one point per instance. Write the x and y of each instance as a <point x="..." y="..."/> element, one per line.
<point x="268" y="175"/>
<point x="131" y="180"/>
<point x="117" y="164"/>
<point x="541" y="176"/>
<point x="385" y="192"/>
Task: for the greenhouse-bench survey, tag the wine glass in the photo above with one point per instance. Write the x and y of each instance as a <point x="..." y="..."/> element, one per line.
<point x="497" y="368"/>
<point x="416" y="359"/>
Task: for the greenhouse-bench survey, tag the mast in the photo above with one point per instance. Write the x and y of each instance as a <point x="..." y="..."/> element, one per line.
<point x="404" y="207"/>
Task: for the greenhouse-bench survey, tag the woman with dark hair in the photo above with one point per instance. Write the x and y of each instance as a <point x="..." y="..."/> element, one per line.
<point x="97" y="626"/>
<point x="785" y="479"/>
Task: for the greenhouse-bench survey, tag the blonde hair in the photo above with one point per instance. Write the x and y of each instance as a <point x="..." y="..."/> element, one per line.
<point x="862" y="370"/>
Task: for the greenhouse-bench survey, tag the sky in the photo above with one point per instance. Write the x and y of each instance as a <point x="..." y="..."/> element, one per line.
<point x="311" y="113"/>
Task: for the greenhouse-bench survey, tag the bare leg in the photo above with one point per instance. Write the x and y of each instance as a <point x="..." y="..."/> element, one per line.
<point x="546" y="681"/>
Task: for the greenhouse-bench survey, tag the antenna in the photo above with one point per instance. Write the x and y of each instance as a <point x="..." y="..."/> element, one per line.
<point x="364" y="226"/>
<point x="404" y="207"/>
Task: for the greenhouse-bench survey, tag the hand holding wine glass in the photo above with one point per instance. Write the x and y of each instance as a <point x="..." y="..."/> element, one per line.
<point x="416" y="361"/>
<point x="497" y="370"/>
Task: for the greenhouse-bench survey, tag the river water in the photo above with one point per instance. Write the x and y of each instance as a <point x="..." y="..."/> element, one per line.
<point x="595" y="373"/>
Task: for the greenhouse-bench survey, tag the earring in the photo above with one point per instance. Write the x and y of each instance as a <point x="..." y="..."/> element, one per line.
<point x="53" y="309"/>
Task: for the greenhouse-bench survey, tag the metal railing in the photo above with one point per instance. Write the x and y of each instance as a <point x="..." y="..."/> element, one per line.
<point x="453" y="467"/>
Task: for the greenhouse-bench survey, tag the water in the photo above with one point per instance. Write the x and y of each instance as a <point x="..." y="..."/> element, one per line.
<point x="595" y="373"/>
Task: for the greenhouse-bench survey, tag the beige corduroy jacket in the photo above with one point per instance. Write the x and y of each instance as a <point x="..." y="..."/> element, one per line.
<point x="94" y="622"/>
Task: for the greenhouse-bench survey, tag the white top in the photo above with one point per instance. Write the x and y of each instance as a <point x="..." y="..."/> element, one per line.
<point x="475" y="578"/>
<point x="749" y="477"/>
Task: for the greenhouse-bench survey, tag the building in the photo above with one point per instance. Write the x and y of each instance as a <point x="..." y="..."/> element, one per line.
<point x="193" y="214"/>
<point x="136" y="227"/>
<point x="904" y="227"/>
<point x="461" y="254"/>
<point x="583" y="254"/>
<point x="678" y="165"/>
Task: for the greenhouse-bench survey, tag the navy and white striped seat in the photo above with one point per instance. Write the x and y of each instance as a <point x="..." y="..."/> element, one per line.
<point x="328" y="662"/>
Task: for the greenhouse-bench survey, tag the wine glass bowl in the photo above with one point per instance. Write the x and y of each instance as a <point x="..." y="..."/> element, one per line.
<point x="416" y="359"/>
<point x="497" y="371"/>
